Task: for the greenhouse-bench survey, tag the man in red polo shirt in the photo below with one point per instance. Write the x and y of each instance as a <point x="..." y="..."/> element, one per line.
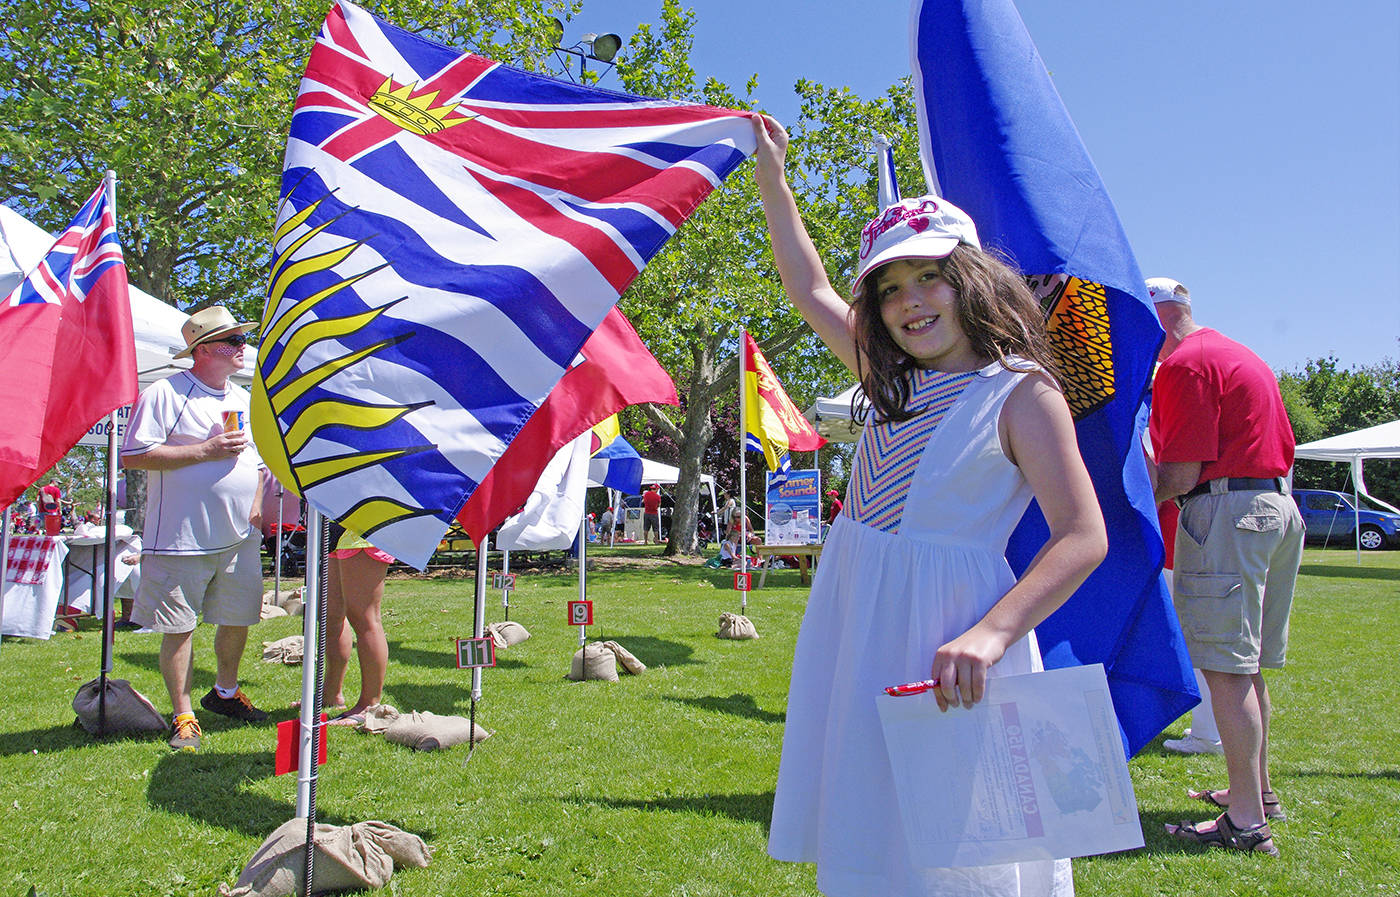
<point x="651" y="514"/>
<point x="1224" y="447"/>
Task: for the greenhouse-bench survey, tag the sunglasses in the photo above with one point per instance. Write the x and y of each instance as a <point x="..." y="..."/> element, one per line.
<point x="236" y="340"/>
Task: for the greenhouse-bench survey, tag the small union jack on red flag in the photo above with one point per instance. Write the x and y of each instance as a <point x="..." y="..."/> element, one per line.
<point x="452" y="230"/>
<point x="67" y="353"/>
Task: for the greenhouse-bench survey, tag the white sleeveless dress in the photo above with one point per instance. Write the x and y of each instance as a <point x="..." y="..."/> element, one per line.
<point x="881" y="605"/>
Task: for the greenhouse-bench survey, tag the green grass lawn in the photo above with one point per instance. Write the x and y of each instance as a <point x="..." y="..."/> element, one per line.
<point x="659" y="784"/>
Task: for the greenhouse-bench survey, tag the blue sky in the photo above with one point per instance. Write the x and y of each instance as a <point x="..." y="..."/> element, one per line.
<point x="1252" y="149"/>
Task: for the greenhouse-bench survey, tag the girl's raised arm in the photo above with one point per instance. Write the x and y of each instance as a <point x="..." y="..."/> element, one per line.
<point x="1038" y="432"/>
<point x="800" y="267"/>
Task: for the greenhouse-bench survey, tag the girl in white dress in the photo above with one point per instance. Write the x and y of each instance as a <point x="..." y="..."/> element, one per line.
<point x="966" y="425"/>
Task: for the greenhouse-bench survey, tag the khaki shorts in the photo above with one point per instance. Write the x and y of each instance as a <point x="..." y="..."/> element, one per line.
<point x="224" y="588"/>
<point x="1237" y="557"/>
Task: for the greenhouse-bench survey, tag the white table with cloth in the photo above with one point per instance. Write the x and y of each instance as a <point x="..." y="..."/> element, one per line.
<point x="84" y="573"/>
<point x="33" y="585"/>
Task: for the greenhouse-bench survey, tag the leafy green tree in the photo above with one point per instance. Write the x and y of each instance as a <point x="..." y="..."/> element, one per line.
<point x="1324" y="399"/>
<point x="716" y="276"/>
<point x="189" y="101"/>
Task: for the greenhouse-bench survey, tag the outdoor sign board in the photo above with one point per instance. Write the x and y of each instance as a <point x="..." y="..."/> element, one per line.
<point x="580" y="613"/>
<point x="475" y="652"/>
<point x="793" y="515"/>
<point x="97" y="433"/>
<point x="503" y="581"/>
<point x="743" y="581"/>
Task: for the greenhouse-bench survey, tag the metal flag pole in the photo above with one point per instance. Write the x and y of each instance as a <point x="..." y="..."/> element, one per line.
<point x="743" y="480"/>
<point x="109" y="561"/>
<point x="583" y="576"/>
<point x="109" y="542"/>
<point x="505" y="587"/>
<point x="4" y="561"/>
<point x="313" y="637"/>
<point x="277" y="552"/>
<point x="478" y="628"/>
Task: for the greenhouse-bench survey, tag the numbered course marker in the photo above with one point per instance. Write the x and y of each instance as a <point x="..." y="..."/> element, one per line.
<point x="503" y="581"/>
<point x="580" y="613"/>
<point x="475" y="652"/>
<point x="743" y="581"/>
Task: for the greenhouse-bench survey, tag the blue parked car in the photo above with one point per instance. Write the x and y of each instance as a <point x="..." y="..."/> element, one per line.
<point x="1330" y="517"/>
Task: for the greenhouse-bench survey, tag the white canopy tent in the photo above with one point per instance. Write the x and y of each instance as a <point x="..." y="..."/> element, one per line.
<point x="156" y="324"/>
<point x="1380" y="441"/>
<point x="666" y="475"/>
<point x="832" y="416"/>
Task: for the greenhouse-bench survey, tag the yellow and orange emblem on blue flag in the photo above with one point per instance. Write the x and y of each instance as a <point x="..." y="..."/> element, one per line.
<point x="997" y="141"/>
<point x="450" y="234"/>
<point x="772" y="423"/>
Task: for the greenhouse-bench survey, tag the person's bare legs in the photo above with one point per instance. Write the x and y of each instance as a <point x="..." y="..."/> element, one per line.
<point x="338" y="638"/>
<point x="363" y="607"/>
<point x="1241" y="716"/>
<point x="177" y="669"/>
<point x="229" y="642"/>
<point x="362" y="587"/>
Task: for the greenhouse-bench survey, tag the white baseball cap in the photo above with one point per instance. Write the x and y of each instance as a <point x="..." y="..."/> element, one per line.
<point x="926" y="227"/>
<point x="1164" y="289"/>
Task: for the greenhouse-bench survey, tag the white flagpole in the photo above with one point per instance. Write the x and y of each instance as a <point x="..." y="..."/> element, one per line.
<point x="743" y="480"/>
<point x="311" y="693"/>
<point x="479" y="612"/>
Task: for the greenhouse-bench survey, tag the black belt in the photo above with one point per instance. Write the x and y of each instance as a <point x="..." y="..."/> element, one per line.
<point x="1240" y="484"/>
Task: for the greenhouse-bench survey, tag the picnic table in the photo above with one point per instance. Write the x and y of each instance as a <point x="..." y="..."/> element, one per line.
<point x="803" y="553"/>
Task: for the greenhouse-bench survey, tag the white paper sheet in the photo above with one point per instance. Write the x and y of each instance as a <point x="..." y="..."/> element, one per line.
<point x="1034" y="771"/>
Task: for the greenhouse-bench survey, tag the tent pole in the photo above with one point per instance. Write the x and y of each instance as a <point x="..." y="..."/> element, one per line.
<point x="277" y="551"/>
<point x="1356" y="506"/>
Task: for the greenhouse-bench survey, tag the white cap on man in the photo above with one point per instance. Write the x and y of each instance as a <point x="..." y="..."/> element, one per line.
<point x="1164" y="289"/>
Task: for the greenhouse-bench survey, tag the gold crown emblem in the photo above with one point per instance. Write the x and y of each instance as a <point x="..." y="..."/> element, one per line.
<point x="414" y="113"/>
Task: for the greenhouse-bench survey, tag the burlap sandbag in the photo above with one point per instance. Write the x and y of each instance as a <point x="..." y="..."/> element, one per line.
<point x="629" y="661"/>
<point x="280" y="598"/>
<point x="378" y="718"/>
<point x="593" y="661"/>
<point x="271" y="610"/>
<point x="127" y="709"/>
<point x="736" y="626"/>
<point x="426" y="731"/>
<point x="348" y="858"/>
<point x="294" y="607"/>
<point x="285" y="650"/>
<point x="507" y="633"/>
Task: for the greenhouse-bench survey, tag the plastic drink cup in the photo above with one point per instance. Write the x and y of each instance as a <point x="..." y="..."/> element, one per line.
<point x="233" y="421"/>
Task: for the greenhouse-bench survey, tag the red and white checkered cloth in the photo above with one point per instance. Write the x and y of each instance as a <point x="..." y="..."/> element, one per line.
<point x="29" y="559"/>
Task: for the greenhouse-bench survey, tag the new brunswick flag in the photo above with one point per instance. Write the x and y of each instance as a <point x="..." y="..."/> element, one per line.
<point x="772" y="424"/>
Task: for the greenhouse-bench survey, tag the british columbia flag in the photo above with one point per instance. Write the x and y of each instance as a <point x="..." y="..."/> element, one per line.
<point x="451" y="231"/>
<point x="67" y="353"/>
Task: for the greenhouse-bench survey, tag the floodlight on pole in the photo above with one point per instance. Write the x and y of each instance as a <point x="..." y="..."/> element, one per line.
<point x="597" y="47"/>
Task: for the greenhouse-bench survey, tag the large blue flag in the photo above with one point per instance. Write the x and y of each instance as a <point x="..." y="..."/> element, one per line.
<point x="997" y="141"/>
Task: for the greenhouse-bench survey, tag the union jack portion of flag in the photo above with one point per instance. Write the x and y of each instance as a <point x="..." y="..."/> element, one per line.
<point x="78" y="259"/>
<point x="451" y="232"/>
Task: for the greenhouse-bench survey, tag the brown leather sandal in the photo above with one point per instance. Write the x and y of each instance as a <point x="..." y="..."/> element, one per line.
<point x="1255" y="839"/>
<point x="1272" y="808"/>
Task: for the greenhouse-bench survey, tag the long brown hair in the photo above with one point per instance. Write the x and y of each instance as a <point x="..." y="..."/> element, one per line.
<point x="996" y="311"/>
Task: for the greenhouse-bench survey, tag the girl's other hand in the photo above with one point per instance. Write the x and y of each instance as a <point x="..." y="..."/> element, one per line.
<point x="961" y="665"/>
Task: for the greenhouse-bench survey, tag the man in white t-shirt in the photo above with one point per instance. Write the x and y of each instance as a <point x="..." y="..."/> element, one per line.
<point x="203" y="532"/>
